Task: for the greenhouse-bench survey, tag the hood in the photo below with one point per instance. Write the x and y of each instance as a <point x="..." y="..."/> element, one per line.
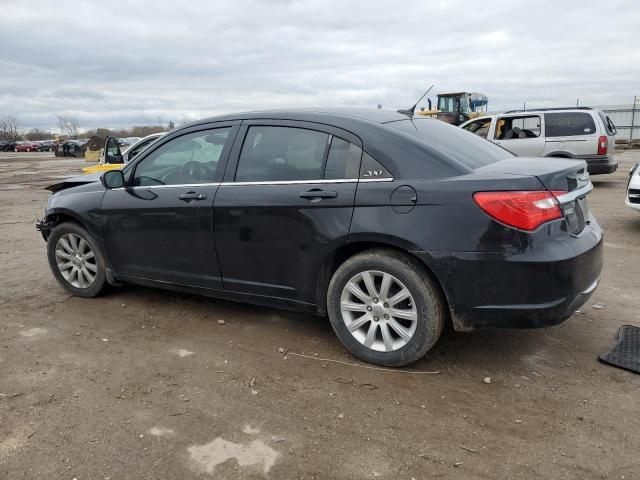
<point x="74" y="182"/>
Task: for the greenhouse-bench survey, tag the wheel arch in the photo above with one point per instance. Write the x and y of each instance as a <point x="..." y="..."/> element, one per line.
<point x="57" y="216"/>
<point x="560" y="154"/>
<point x="340" y="254"/>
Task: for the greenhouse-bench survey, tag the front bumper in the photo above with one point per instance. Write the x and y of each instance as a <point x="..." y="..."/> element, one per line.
<point x="539" y="287"/>
<point x="632" y="199"/>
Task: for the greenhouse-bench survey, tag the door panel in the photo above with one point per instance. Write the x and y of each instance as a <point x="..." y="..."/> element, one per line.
<point x="274" y="229"/>
<point x="272" y="241"/>
<point x="160" y="225"/>
<point x="151" y="233"/>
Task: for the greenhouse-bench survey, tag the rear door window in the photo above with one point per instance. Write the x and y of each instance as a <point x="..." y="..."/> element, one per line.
<point x="524" y="126"/>
<point x="568" y="124"/>
<point x="271" y="153"/>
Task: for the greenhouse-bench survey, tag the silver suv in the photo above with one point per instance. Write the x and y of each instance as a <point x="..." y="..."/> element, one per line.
<point x="581" y="132"/>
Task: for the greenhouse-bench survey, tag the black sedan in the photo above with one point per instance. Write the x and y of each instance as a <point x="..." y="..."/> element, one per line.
<point x="389" y="224"/>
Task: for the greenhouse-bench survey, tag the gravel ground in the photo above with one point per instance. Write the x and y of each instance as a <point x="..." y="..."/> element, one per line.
<point x="146" y="384"/>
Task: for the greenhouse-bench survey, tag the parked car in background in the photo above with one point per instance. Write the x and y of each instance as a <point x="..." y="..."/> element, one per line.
<point x="581" y="133"/>
<point x="45" y="146"/>
<point x="390" y="224"/>
<point x="26" y="146"/>
<point x="633" y="188"/>
<point x="113" y="158"/>
<point x="9" y="146"/>
<point x="70" y="148"/>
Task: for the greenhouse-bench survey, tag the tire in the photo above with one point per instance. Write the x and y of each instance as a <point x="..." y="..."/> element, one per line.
<point x="423" y="312"/>
<point x="77" y="275"/>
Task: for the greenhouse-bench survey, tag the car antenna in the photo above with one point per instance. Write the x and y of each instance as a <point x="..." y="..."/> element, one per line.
<point x="412" y="110"/>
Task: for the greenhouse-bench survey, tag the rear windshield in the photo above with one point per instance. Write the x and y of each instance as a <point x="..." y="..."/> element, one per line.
<point x="568" y="124"/>
<point x="452" y="142"/>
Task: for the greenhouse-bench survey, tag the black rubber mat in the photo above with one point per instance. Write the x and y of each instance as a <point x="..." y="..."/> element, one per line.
<point x="625" y="353"/>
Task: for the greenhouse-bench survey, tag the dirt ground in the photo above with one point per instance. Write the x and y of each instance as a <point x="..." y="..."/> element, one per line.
<point x="146" y="384"/>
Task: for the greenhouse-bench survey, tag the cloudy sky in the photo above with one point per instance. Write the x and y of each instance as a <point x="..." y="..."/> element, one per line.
<point x="119" y="63"/>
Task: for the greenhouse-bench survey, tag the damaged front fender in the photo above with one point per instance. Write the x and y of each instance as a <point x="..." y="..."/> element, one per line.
<point x="45" y="226"/>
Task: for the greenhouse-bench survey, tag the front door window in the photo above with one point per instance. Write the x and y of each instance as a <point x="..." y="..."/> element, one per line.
<point x="191" y="159"/>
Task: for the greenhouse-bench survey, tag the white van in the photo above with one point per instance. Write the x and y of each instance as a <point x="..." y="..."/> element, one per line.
<point x="580" y="132"/>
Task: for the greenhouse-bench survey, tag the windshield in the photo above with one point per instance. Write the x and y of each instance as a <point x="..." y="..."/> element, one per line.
<point x="453" y="143"/>
<point x="448" y="104"/>
<point x="464" y="104"/>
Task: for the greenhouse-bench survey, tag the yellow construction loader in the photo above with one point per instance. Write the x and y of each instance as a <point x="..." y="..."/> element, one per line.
<point x="456" y="108"/>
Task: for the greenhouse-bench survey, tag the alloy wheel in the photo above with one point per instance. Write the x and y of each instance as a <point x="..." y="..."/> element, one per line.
<point x="379" y="311"/>
<point x="76" y="261"/>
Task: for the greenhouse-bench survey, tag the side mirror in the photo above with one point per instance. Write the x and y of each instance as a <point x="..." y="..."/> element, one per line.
<point x="113" y="179"/>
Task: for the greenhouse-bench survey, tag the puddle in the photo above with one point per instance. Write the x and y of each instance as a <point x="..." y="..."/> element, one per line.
<point x="32" y="332"/>
<point x="160" y="431"/>
<point x="250" y="431"/>
<point x="207" y="457"/>
<point x="182" y="352"/>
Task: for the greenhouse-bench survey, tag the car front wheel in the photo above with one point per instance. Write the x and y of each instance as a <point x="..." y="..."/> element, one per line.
<point x="76" y="260"/>
<point x="384" y="308"/>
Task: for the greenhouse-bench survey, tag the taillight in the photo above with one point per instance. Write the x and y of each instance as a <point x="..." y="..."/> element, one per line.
<point x="603" y="145"/>
<point x="520" y="209"/>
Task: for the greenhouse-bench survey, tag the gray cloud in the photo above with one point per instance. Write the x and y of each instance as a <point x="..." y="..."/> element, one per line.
<point x="119" y="63"/>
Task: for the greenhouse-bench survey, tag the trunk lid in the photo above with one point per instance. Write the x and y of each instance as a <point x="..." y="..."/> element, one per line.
<point x="557" y="175"/>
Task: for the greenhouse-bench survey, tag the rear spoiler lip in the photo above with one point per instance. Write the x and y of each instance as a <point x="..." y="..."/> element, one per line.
<point x="574" y="194"/>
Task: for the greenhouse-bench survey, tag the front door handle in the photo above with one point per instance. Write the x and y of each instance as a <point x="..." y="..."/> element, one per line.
<point x="189" y="196"/>
<point x="316" y="193"/>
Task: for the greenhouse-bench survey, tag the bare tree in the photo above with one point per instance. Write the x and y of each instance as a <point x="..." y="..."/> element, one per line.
<point x="69" y="126"/>
<point x="36" y="134"/>
<point x="9" y="128"/>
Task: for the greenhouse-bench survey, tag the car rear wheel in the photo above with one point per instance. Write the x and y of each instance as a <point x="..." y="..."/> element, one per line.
<point x="76" y="261"/>
<point x="384" y="308"/>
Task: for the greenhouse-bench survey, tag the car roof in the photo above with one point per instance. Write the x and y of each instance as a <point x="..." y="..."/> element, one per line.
<point x="312" y="114"/>
<point x="550" y="110"/>
<point x="403" y="154"/>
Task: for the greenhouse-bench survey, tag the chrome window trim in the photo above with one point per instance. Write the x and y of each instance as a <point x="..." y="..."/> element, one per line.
<point x="279" y="182"/>
<point x="389" y="179"/>
<point x="182" y="185"/>
<point x="178" y="185"/>
<point x="292" y="182"/>
<point x="307" y="182"/>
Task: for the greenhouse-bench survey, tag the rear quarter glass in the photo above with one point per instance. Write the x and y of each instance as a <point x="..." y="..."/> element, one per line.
<point x="568" y="124"/>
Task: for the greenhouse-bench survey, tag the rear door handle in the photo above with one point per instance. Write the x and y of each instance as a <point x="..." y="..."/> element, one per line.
<point x="316" y="193"/>
<point x="189" y="196"/>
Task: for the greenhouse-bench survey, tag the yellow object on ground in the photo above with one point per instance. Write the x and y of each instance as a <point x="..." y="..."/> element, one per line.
<point x="92" y="155"/>
<point x="105" y="167"/>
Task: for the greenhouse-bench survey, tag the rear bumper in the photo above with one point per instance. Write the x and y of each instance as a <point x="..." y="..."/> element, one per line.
<point x="600" y="165"/>
<point x="542" y="286"/>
